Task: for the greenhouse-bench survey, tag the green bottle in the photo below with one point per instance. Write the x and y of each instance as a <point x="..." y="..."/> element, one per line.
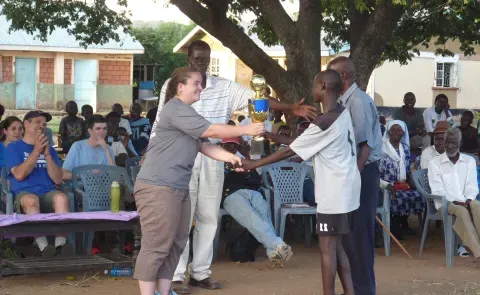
<point x="115" y="197"/>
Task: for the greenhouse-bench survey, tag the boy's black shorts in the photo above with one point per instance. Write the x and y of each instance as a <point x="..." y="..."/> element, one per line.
<point x="334" y="224"/>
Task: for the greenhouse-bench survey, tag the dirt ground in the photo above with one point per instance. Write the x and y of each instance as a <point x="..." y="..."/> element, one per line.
<point x="396" y="274"/>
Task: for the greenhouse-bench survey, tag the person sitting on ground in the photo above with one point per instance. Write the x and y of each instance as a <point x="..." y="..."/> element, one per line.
<point x="33" y="170"/>
<point x="437" y="113"/>
<point x="330" y="141"/>
<point x="140" y="128"/>
<point x="72" y="128"/>
<point x="454" y="176"/>
<point x="243" y="201"/>
<point x="118" y="108"/>
<point x="470" y="142"/>
<point x="396" y="177"/>
<point x="438" y="148"/>
<point x="119" y="147"/>
<point x="93" y="150"/>
<point x="419" y="138"/>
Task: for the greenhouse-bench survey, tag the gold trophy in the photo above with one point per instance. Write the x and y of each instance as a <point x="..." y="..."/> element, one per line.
<point x="258" y="106"/>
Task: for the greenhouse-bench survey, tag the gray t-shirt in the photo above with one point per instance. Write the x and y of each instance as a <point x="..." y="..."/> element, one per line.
<point x="171" y="153"/>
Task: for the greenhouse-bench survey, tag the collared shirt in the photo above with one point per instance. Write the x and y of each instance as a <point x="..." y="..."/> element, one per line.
<point x="365" y="120"/>
<point x="414" y="121"/>
<point x="218" y="100"/>
<point x="428" y="154"/>
<point x="457" y="182"/>
<point x="431" y="118"/>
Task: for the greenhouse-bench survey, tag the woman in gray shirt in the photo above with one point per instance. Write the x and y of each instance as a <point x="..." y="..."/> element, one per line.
<point x="161" y="189"/>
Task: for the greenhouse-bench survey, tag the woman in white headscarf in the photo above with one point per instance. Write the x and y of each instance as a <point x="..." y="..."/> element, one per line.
<point x="396" y="177"/>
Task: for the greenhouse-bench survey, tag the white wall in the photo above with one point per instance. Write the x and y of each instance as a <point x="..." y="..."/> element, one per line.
<point x="468" y="95"/>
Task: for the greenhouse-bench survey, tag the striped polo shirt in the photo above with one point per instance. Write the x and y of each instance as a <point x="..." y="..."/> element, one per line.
<point x="218" y="100"/>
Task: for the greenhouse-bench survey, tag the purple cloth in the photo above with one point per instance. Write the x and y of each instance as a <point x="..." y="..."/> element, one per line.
<point x="6" y="220"/>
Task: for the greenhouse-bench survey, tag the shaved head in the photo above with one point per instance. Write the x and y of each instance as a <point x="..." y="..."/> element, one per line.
<point x="344" y="66"/>
<point x="327" y="84"/>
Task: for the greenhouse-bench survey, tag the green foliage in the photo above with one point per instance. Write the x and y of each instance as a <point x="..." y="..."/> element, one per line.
<point x="159" y="43"/>
<point x="91" y="22"/>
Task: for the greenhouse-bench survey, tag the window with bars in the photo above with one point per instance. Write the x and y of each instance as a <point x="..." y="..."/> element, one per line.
<point x="444" y="75"/>
<point x="214" y="68"/>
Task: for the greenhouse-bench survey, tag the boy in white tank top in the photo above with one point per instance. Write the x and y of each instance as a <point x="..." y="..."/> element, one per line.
<point x="330" y="142"/>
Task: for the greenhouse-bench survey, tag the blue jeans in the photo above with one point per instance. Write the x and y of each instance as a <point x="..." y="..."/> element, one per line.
<point x="249" y="209"/>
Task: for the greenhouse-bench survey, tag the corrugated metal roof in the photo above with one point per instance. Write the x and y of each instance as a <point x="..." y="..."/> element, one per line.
<point x="61" y="38"/>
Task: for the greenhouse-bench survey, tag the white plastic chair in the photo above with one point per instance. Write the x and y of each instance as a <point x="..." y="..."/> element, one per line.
<point x="287" y="179"/>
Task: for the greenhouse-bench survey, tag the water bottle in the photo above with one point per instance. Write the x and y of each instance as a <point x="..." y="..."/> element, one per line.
<point x="119" y="272"/>
<point x="115" y="197"/>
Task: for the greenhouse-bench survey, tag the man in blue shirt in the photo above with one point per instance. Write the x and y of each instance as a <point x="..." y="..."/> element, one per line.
<point x="140" y="128"/>
<point x="93" y="150"/>
<point x="33" y="170"/>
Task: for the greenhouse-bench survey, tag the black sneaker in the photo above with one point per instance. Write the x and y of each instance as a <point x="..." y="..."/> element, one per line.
<point x="66" y="250"/>
<point x="49" y="251"/>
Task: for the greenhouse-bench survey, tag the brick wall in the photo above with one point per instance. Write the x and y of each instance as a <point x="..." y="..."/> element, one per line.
<point x="46" y="70"/>
<point x="67" y="72"/>
<point x="7" y="69"/>
<point x="114" y="72"/>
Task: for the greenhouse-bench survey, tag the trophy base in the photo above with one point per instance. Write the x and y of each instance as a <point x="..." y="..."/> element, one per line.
<point x="258" y="138"/>
<point x="257" y="148"/>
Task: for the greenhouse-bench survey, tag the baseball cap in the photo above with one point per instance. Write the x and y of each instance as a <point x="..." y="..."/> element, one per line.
<point x="441" y="127"/>
<point x="231" y="140"/>
<point x="35" y="114"/>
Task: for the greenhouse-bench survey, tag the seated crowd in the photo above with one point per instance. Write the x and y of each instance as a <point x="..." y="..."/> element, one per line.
<point x="34" y="171"/>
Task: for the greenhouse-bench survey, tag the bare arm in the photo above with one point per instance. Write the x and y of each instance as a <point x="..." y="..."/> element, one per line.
<point x="216" y="152"/>
<point x="298" y="109"/>
<point x="224" y="131"/>
<point x="21" y="171"/>
<point x="363" y="153"/>
<point x="67" y="175"/>
<point x="283" y="154"/>
<point x="54" y="171"/>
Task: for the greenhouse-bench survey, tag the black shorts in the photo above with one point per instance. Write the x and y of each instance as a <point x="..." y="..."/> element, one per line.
<point x="334" y="224"/>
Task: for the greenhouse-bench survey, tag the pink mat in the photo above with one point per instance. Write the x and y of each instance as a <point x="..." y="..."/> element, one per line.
<point x="6" y="220"/>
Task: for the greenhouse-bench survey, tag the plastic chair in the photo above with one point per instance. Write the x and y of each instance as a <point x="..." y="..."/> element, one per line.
<point x="384" y="212"/>
<point x="287" y="179"/>
<point x="420" y="177"/>
<point x="93" y="183"/>
<point x="130" y="165"/>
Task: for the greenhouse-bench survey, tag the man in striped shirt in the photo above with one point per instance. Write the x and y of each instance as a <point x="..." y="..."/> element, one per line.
<point x="219" y="99"/>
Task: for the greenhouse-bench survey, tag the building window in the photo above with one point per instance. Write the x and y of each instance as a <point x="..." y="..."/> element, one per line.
<point x="214" y="68"/>
<point x="444" y="75"/>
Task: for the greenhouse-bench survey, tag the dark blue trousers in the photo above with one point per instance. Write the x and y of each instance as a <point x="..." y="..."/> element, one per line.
<point x="359" y="243"/>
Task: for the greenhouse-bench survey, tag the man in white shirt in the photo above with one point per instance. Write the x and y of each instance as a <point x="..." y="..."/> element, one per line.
<point x="454" y="176"/>
<point x="330" y="142"/>
<point x="437" y="113"/>
<point x="438" y="148"/>
<point x="218" y="100"/>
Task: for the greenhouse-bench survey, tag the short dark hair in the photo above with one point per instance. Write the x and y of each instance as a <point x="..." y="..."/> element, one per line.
<point x="113" y="115"/>
<point x="86" y="106"/>
<point x="408" y="94"/>
<point x="9" y="121"/>
<point x="197" y="44"/>
<point x="95" y="119"/>
<point x="468" y="113"/>
<point x="2" y="110"/>
<point x="441" y="95"/>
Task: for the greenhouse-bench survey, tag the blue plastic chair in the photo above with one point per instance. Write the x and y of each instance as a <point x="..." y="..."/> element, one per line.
<point x="93" y="183"/>
<point x="384" y="212"/>
<point x="420" y="177"/>
<point x="133" y="167"/>
<point x="287" y="179"/>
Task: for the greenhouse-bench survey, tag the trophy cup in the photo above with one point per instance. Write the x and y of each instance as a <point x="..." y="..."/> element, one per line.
<point x="258" y="110"/>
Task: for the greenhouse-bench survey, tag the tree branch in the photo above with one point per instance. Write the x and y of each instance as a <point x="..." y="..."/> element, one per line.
<point x="375" y="35"/>
<point x="278" y="18"/>
<point x="242" y="46"/>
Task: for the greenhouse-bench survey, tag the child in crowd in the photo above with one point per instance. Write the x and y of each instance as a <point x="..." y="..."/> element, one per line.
<point x="140" y="128"/>
<point x="72" y="128"/>
<point x="118" y="108"/>
<point x="87" y="112"/>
